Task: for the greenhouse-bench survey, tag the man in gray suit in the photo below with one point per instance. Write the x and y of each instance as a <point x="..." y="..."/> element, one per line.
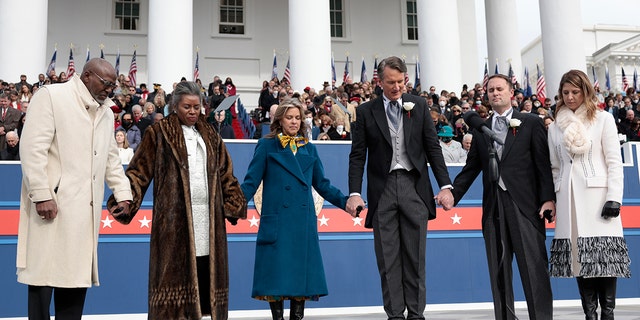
<point x="396" y="132"/>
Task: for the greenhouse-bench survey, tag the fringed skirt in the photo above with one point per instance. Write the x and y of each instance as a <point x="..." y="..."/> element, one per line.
<point x="606" y="256"/>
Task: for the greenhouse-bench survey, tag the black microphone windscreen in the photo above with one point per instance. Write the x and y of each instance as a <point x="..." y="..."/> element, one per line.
<point x="473" y="119"/>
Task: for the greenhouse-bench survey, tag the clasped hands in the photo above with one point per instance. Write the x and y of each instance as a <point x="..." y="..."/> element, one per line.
<point x="48" y="209"/>
<point x="444" y="198"/>
<point x="122" y="209"/>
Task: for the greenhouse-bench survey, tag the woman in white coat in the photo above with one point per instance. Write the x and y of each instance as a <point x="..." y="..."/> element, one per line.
<point x="588" y="177"/>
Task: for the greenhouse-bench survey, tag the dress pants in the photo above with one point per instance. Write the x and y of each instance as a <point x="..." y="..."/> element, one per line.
<point x="204" y="284"/>
<point x="400" y="237"/>
<point x="527" y="242"/>
<point x="68" y="302"/>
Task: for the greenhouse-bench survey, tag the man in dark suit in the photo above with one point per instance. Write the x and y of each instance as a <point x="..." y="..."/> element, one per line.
<point x="513" y="206"/>
<point x="396" y="133"/>
<point x="9" y="118"/>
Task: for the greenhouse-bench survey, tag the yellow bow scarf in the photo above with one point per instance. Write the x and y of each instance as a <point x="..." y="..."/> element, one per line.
<point x="293" y="142"/>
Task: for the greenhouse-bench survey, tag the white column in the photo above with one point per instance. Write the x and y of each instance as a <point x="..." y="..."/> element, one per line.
<point x="309" y="44"/>
<point x="562" y="41"/>
<point x="439" y="45"/>
<point x="171" y="54"/>
<point x="20" y="55"/>
<point x="502" y="37"/>
<point x="471" y="62"/>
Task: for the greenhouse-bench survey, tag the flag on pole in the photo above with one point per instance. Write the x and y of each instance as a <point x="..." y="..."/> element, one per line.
<point x="527" y="83"/>
<point x="596" y="84"/>
<point x="196" y="68"/>
<point x="406" y="74"/>
<point x="635" y="79"/>
<point x="541" y="91"/>
<point x="496" y="70"/>
<point x="274" y="69"/>
<point x="287" y="71"/>
<point x="333" y="69"/>
<point x="512" y="75"/>
<point x="347" y="76"/>
<point x="88" y="55"/>
<point x="52" y="64"/>
<point x="417" y="82"/>
<point x="485" y="79"/>
<point x="118" y="62"/>
<point x="363" y="72"/>
<point x="133" y="69"/>
<point x="375" y="78"/>
<point x="625" y="82"/>
<point x="71" y="67"/>
<point x="101" y="53"/>
<point x="606" y="77"/>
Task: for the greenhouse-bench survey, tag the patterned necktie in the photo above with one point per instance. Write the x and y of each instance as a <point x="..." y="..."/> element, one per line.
<point x="501" y="129"/>
<point x="393" y="112"/>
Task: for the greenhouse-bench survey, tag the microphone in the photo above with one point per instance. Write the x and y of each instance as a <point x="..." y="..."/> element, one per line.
<point x="473" y="120"/>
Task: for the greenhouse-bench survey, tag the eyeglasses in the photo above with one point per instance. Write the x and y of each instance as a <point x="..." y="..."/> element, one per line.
<point x="466" y="108"/>
<point x="105" y="83"/>
<point x="457" y="111"/>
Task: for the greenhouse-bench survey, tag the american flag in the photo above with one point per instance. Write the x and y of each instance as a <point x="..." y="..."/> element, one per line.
<point x="406" y="74"/>
<point x="496" y="71"/>
<point x="485" y="79"/>
<point x="527" y="83"/>
<point x="363" y="72"/>
<point x="118" y="63"/>
<point x="541" y="91"/>
<point x="417" y="82"/>
<point x="133" y="69"/>
<point x="625" y="82"/>
<point x="88" y="55"/>
<point x="596" y="84"/>
<point x="512" y="75"/>
<point x="196" y="69"/>
<point x="635" y="79"/>
<point x="52" y="64"/>
<point x="71" y="67"/>
<point x="347" y="76"/>
<point x="274" y="69"/>
<point x="606" y="77"/>
<point x="333" y="69"/>
<point x="101" y="53"/>
<point x="375" y="71"/>
<point x="287" y="71"/>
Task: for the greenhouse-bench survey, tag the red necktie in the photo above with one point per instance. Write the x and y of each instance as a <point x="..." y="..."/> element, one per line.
<point x="4" y="111"/>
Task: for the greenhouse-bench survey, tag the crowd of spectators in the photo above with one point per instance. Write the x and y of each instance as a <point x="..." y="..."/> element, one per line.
<point x="331" y="108"/>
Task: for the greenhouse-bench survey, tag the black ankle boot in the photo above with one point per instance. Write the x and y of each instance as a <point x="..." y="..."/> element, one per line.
<point x="589" y="296"/>
<point x="277" y="310"/>
<point x="607" y="292"/>
<point x="297" y="310"/>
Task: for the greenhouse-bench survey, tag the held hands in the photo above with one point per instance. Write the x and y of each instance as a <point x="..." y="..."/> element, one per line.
<point x="551" y="213"/>
<point x="611" y="209"/>
<point x="353" y="203"/>
<point x="47" y="210"/>
<point x="122" y="209"/>
<point x="445" y="199"/>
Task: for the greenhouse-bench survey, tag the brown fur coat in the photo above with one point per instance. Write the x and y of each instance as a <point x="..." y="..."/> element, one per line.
<point x="162" y="157"/>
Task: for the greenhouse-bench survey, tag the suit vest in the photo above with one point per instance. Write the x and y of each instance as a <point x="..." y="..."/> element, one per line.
<point x="398" y="147"/>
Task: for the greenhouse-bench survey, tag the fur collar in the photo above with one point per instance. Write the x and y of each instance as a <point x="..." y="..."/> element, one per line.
<point x="574" y="126"/>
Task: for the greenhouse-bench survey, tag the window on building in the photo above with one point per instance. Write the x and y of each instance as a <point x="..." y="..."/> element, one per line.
<point x="232" y="16"/>
<point x="336" y="12"/>
<point x="127" y="14"/>
<point x="412" y="20"/>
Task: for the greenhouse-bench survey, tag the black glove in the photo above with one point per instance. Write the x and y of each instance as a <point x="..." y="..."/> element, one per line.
<point x="233" y="221"/>
<point x="611" y="209"/>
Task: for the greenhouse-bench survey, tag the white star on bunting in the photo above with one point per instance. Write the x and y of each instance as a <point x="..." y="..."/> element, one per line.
<point x="144" y="222"/>
<point x="106" y="222"/>
<point x="253" y="221"/>
<point x="456" y="219"/>
<point x="357" y="221"/>
<point x="324" y="221"/>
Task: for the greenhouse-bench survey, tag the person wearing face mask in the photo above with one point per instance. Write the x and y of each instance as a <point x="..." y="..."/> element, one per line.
<point x="452" y="150"/>
<point x="312" y="130"/>
<point x="444" y="109"/>
<point x="340" y="132"/>
<point x="134" y="136"/>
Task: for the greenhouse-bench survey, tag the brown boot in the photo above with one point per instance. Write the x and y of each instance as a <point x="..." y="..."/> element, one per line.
<point x="297" y="310"/>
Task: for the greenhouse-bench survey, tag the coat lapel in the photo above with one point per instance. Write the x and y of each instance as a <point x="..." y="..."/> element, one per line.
<point x="173" y="134"/>
<point x="379" y="115"/>
<point x="285" y="158"/>
<point x="510" y="139"/>
<point x="407" y="124"/>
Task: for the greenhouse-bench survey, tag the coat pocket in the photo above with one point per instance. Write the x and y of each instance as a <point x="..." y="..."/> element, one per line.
<point x="268" y="232"/>
<point x="597" y="182"/>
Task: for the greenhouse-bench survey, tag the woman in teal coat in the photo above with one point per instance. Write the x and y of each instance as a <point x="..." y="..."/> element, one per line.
<point x="288" y="264"/>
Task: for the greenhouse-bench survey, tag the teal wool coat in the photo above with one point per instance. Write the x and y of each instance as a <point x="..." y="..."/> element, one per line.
<point x="288" y="261"/>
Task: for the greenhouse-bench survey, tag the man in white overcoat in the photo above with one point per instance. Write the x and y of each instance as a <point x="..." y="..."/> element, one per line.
<point x="68" y="151"/>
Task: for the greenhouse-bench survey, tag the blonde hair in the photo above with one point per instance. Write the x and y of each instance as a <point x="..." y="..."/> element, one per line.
<point x="579" y="80"/>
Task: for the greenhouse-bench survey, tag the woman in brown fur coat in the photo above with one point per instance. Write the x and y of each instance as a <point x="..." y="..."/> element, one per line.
<point x="194" y="191"/>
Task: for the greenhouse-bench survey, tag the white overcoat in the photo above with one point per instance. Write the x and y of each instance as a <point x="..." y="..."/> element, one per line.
<point x="66" y="156"/>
